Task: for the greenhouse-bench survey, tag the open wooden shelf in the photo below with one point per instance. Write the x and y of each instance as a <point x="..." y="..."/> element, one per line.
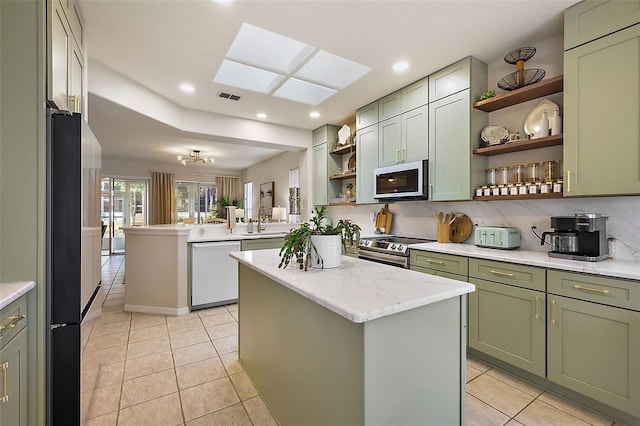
<point x="343" y="176"/>
<point x="519" y="197"/>
<point x="520" y="145"/>
<point x="527" y="93"/>
<point x="345" y="149"/>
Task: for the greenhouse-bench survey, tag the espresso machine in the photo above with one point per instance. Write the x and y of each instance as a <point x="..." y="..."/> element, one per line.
<point x="579" y="237"/>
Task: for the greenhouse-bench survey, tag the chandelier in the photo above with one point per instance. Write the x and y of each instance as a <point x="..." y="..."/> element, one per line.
<point x="194" y="157"/>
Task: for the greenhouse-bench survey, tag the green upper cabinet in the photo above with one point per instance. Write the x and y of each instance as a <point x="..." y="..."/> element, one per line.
<point x="366" y="160"/>
<point x="593" y="19"/>
<point x="602" y="116"/>
<point x="404" y="138"/>
<point x="324" y="165"/>
<point x="389" y="141"/>
<point x="367" y="115"/>
<point x="454" y="130"/>
<point x="390" y="106"/>
<point x="410" y="97"/>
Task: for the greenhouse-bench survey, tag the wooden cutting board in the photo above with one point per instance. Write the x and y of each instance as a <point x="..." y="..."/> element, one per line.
<point x="461" y="228"/>
<point x="384" y="220"/>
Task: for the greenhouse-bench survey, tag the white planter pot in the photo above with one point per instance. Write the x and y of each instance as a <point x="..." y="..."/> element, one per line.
<point x="329" y="248"/>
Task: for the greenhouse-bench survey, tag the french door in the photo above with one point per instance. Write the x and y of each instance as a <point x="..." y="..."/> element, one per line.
<point x="124" y="202"/>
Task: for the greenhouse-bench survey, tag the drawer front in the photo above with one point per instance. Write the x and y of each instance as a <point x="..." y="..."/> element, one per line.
<point x="508" y="273"/>
<point x="13" y="318"/>
<point x="440" y="262"/>
<point x="262" y="244"/>
<point x="609" y="291"/>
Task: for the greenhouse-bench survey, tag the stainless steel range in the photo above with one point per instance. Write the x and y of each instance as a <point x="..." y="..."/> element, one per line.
<point x="391" y="250"/>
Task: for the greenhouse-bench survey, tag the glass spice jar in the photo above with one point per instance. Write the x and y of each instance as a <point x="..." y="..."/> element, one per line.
<point x="549" y="170"/>
<point x="504" y="189"/>
<point x="513" y="189"/>
<point x="519" y="173"/>
<point x="503" y="175"/>
<point x="533" y="172"/>
<point x="557" y="186"/>
<point x="495" y="190"/>
<point x="546" y="187"/>
<point x="491" y="176"/>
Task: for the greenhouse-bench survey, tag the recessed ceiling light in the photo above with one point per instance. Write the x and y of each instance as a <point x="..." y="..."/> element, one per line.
<point x="399" y="66"/>
<point x="187" y="88"/>
<point x="261" y="115"/>
<point x="314" y="114"/>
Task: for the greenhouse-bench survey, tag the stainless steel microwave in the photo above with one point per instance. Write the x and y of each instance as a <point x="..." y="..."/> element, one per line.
<point x="404" y="181"/>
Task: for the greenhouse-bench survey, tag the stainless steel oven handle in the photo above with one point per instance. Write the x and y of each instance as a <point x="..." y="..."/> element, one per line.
<point x="396" y="260"/>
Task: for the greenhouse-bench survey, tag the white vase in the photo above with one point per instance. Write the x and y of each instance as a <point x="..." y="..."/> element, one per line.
<point x="329" y="248"/>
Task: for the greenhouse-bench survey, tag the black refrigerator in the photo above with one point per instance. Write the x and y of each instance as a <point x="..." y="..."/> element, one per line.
<point x="63" y="267"/>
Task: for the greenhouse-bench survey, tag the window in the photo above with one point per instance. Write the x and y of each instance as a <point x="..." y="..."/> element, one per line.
<point x="248" y="200"/>
<point x="196" y="201"/>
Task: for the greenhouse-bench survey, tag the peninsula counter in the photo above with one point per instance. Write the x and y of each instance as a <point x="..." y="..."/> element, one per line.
<point x="362" y="344"/>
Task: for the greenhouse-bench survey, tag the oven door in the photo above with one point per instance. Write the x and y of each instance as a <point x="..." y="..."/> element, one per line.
<point x="388" y="259"/>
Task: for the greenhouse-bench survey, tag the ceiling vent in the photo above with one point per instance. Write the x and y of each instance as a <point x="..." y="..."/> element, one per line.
<point x="229" y="96"/>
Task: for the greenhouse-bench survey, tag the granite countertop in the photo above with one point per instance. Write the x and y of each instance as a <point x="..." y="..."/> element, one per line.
<point x="609" y="267"/>
<point x="359" y="290"/>
<point x="12" y="291"/>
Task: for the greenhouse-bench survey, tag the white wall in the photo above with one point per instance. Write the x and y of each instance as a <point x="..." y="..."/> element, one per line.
<point x="416" y="218"/>
<point x="276" y="170"/>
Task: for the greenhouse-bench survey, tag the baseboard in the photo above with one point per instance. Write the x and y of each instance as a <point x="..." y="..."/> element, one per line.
<point x="144" y="309"/>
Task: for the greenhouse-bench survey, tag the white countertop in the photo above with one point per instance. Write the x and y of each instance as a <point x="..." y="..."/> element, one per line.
<point x="358" y="290"/>
<point x="609" y="267"/>
<point x="12" y="291"/>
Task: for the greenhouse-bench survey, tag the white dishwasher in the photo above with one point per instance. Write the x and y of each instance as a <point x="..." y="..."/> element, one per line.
<point x="214" y="274"/>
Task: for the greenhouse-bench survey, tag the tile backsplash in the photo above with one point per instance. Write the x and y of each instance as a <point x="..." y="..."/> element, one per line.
<point x="415" y="218"/>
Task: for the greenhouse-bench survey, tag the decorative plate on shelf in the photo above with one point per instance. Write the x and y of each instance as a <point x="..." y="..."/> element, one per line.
<point x="343" y="134"/>
<point x="532" y="123"/>
<point x="494" y="135"/>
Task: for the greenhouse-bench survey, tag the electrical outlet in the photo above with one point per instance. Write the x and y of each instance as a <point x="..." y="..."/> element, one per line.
<point x="540" y="224"/>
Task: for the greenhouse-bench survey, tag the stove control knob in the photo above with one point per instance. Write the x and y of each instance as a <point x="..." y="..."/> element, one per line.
<point x="400" y="247"/>
<point x="393" y="246"/>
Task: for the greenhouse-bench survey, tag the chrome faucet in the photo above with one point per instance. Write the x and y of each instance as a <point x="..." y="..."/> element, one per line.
<point x="261" y="214"/>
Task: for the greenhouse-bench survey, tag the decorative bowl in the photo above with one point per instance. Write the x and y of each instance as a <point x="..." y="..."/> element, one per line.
<point x="519" y="79"/>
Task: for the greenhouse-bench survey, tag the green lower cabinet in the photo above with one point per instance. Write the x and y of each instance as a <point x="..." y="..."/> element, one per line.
<point x="595" y="350"/>
<point x="439" y="273"/>
<point x="508" y="323"/>
<point x="13" y="359"/>
<point x="262" y="244"/>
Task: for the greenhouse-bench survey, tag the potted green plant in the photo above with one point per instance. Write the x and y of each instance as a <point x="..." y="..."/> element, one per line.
<point x="317" y="243"/>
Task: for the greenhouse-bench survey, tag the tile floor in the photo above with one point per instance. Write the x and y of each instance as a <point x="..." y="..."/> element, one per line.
<point x="141" y="369"/>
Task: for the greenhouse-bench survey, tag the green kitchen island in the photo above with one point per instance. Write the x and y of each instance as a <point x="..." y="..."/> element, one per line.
<point x="362" y="344"/>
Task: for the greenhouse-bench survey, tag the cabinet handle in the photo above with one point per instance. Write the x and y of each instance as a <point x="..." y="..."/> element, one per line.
<point x="437" y="262"/>
<point x="397" y="155"/>
<point x="503" y="274"/>
<point x="5" y="374"/>
<point x="13" y="321"/>
<point x="74" y="101"/>
<point x="537" y="315"/>
<point x="595" y="290"/>
<point x="553" y="311"/>
<point x="568" y="180"/>
<point x="404" y="155"/>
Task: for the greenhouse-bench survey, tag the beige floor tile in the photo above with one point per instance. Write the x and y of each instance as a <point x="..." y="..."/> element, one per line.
<point x="217" y="319"/>
<point x="139" y="320"/>
<point x="208" y="397"/>
<point x="541" y="414"/>
<point x="180" y="318"/>
<point x="226" y="345"/>
<point x="116" y="290"/>
<point x="232" y="363"/>
<point x="109" y="419"/>
<point x="231" y="416"/>
<point x="223" y="330"/>
<point x="148" y="364"/>
<point x="199" y="372"/>
<point x="148" y="387"/>
<point x="477" y="364"/>
<point x="212" y="311"/>
<point x="187" y="338"/>
<point x="244" y="386"/>
<point x="115" y="296"/>
<point x="110" y="328"/>
<point x="232" y="308"/>
<point x="472" y="373"/>
<point x="477" y="413"/>
<point x="110" y="374"/>
<point x="105" y="400"/>
<point x="192" y="353"/>
<point x="186" y="325"/>
<point x="148" y="347"/>
<point x="111" y="310"/>
<point x="107" y="341"/>
<point x="516" y="382"/>
<point x="148" y="333"/>
<point x="164" y="411"/>
<point x="235" y="315"/>
<point x="116" y="302"/>
<point x="92" y="360"/>
<point x="499" y="395"/>
<point x="513" y="422"/>
<point x="258" y="412"/>
<point x="575" y="410"/>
